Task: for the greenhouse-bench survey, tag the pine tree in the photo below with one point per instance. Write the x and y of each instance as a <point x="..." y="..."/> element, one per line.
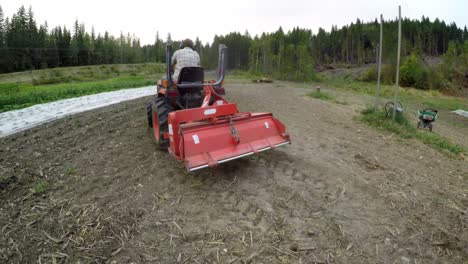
<point x="4" y="60"/>
<point x="2" y="28"/>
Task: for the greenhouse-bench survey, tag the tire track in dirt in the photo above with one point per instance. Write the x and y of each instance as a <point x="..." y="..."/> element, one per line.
<point x="340" y="193"/>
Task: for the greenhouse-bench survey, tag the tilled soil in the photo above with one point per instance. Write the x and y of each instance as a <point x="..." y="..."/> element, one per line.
<point x="93" y="188"/>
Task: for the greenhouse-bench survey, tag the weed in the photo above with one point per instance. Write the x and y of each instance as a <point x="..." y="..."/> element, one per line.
<point x="321" y="95"/>
<point x="326" y="97"/>
<point x="40" y="187"/>
<point x="113" y="68"/>
<point x="438" y="142"/>
<point x="6" y="180"/>
<point x="71" y="170"/>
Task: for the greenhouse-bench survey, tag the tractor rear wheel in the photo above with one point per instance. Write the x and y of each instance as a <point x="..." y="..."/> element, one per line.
<point x="161" y="109"/>
<point x="149" y="113"/>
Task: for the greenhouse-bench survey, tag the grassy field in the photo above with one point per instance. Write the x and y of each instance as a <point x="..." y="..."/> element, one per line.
<point x="427" y="98"/>
<point x="403" y="128"/>
<point x="19" y="90"/>
<point x="326" y="97"/>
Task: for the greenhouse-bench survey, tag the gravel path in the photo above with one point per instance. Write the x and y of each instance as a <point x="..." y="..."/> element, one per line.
<point x="18" y="120"/>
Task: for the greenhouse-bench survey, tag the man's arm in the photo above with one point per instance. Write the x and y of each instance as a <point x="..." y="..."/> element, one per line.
<point x="198" y="56"/>
<point x="174" y="60"/>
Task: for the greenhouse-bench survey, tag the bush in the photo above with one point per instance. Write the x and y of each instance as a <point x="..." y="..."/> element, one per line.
<point x="114" y="69"/>
<point x="401" y="126"/>
<point x="436" y="80"/>
<point x="369" y="76"/>
<point x="413" y="73"/>
<point x="388" y="73"/>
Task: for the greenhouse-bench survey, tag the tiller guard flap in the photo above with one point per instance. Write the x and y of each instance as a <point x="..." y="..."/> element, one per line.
<point x="206" y="145"/>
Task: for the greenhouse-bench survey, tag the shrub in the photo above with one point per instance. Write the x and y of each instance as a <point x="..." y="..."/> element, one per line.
<point x="114" y="69"/>
<point x="388" y="73"/>
<point x="413" y="73"/>
<point x="370" y="75"/>
<point x="436" y="80"/>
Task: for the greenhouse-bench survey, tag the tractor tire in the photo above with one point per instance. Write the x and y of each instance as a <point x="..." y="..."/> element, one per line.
<point x="430" y="127"/>
<point x="160" y="111"/>
<point x="149" y="113"/>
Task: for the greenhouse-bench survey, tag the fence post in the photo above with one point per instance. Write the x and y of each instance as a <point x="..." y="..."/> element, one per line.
<point x="398" y="64"/>
<point x="379" y="66"/>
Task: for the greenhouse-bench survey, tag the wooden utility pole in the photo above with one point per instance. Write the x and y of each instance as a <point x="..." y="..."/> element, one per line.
<point x="398" y="64"/>
<point x="379" y="65"/>
<point x="264" y="58"/>
<point x="256" y="61"/>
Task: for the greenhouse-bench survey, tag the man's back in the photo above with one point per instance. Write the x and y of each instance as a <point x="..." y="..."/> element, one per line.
<point x="185" y="57"/>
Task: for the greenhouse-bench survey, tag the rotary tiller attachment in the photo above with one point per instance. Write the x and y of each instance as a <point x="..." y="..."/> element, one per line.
<point x="224" y="137"/>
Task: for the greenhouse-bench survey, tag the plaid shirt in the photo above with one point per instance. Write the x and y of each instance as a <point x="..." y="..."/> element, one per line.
<point x="185" y="57"/>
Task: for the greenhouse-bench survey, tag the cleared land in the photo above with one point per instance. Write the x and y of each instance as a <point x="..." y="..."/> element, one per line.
<point x="93" y="188"/>
<point x="20" y="90"/>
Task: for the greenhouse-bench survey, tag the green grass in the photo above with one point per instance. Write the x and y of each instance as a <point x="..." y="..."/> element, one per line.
<point x="325" y="97"/>
<point x="428" y="98"/>
<point x="23" y="89"/>
<point x="438" y="142"/>
<point x="20" y="95"/>
<point x="40" y="186"/>
<point x="239" y="76"/>
<point x="82" y="73"/>
<point x="71" y="170"/>
<point x="321" y="95"/>
<point x="403" y="128"/>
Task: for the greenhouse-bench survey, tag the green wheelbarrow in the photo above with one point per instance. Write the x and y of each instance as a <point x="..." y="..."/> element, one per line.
<point x="426" y="118"/>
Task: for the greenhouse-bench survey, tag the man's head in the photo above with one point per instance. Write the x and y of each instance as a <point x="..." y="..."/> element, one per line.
<point x="186" y="43"/>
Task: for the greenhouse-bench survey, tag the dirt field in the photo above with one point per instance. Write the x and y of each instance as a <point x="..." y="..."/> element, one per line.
<point x="93" y="188"/>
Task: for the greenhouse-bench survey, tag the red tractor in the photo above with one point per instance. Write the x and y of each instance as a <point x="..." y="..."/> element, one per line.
<point x="192" y="121"/>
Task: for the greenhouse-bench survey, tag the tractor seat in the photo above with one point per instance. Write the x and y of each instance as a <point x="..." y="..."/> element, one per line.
<point x="194" y="75"/>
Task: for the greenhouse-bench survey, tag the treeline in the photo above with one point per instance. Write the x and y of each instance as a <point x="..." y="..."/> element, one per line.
<point x="25" y="45"/>
<point x="358" y="42"/>
<point x="292" y="55"/>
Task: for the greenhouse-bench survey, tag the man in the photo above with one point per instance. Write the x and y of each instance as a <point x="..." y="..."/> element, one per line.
<point x="185" y="57"/>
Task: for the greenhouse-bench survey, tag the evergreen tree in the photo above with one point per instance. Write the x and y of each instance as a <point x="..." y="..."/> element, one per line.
<point x="2" y="28"/>
<point x="25" y="44"/>
<point x="3" y="48"/>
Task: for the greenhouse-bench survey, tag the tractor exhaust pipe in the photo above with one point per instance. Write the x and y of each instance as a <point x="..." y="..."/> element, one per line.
<point x="168" y="64"/>
<point x="221" y="64"/>
<point x="221" y="68"/>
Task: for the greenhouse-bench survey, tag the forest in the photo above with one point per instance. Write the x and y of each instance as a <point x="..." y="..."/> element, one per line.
<point x="293" y="55"/>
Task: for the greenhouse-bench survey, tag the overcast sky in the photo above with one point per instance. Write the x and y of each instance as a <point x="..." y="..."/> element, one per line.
<point x="204" y="19"/>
